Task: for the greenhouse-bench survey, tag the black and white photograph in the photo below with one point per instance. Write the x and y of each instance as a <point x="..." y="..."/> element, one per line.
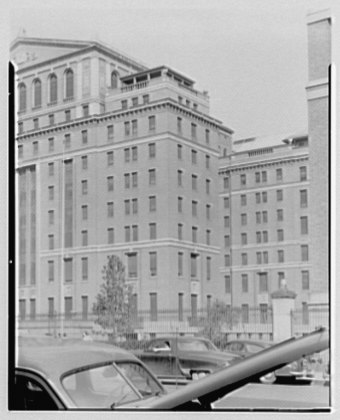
<point x="171" y="201"/>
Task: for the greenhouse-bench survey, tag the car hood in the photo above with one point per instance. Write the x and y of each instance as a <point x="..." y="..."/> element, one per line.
<point x="215" y="386"/>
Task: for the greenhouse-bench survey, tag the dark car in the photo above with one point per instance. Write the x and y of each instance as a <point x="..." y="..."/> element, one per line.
<point x="64" y="375"/>
<point x="178" y="359"/>
<point x="300" y="371"/>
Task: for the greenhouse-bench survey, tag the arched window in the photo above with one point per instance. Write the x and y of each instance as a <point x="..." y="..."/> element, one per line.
<point x="53" y="88"/>
<point x="37" y="92"/>
<point x="69" y="82"/>
<point x="22" y="97"/>
<point x="114" y="80"/>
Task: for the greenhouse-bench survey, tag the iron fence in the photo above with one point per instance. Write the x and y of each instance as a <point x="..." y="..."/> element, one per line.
<point x="308" y="318"/>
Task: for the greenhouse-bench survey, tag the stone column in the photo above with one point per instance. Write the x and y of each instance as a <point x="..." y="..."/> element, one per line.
<point x="283" y="302"/>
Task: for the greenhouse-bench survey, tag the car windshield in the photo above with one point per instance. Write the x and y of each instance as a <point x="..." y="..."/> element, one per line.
<point x="254" y="348"/>
<point x="196" y="345"/>
<point x="110" y="385"/>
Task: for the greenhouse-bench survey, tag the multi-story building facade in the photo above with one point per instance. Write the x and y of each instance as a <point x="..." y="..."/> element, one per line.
<point x="264" y="208"/>
<point x="113" y="158"/>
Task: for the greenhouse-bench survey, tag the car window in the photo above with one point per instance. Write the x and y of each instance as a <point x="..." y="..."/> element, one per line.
<point x="195" y="345"/>
<point x="31" y="395"/>
<point x="160" y="345"/>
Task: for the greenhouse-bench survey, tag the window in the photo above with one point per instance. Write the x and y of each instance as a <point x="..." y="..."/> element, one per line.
<point x="84" y="268"/>
<point x="193" y="131"/>
<point x="303" y="173"/>
<point x="134" y="153"/>
<point x="124" y="104"/>
<point x="153" y="263"/>
<point x="69" y="84"/>
<point x="265" y="236"/>
<point x="36" y="123"/>
<point x="258" y="217"/>
<point x="227" y="260"/>
<point x="51" y="193"/>
<point x="244" y="283"/>
<point x="152" y="203"/>
<point x="50" y="270"/>
<point x="36" y="93"/>
<point x="135" y="101"/>
<point x="194" y="182"/>
<point x="51" y="119"/>
<point x="258" y="237"/>
<point x="153" y="307"/>
<point x="279" y="174"/>
<point x="208" y="236"/>
<point x="134" y="124"/>
<point x="84" y="238"/>
<point x="226" y="221"/>
<point x="194" y="208"/>
<point x="258" y="258"/>
<point x="226" y="202"/>
<point x="257" y="177"/>
<point x="132" y="265"/>
<point x="67" y="141"/>
<point x="153" y="230"/>
<point x="279" y="195"/>
<point x="187" y="103"/>
<point x="265" y="217"/>
<point x="51" y="144"/>
<point x="243" y="179"/>
<point x="22" y="97"/>
<point x="84" y="187"/>
<point x="135" y="233"/>
<point x="179" y="178"/>
<point x="244" y="258"/>
<point x="152" y="150"/>
<point x="84" y="212"/>
<point x="193" y="265"/>
<point x="208" y="211"/>
<point x="67" y="115"/>
<point x="127" y="207"/>
<point x="146" y="99"/>
<point x="110" y="183"/>
<point x="84" y="307"/>
<point x="22" y="308"/>
<point x="243" y="219"/>
<point x="127" y="128"/>
<point x="304" y="225"/>
<point x="244" y="240"/>
<point x="243" y="200"/>
<point x="194" y="157"/>
<point x="179" y="151"/>
<point x="134" y="206"/>
<point x="207" y="186"/>
<point x="180" y="264"/>
<point x="127" y="155"/>
<point x="280" y="256"/>
<point x="194" y="234"/>
<point x="245" y="313"/>
<point x="207" y="136"/>
<point x="264" y="176"/>
<point x="84" y="137"/>
<point x="303" y="198"/>
<point x="20" y="127"/>
<point x="265" y="257"/>
<point x="263" y="313"/>
<point x="179" y="204"/>
<point x="280" y="235"/>
<point x="227" y="284"/>
<point x="127" y="180"/>
<point x="304" y="253"/>
<point x="264" y="197"/>
<point x="20" y="151"/>
<point x="110" y="209"/>
<point x="281" y="276"/>
<point x="51" y="217"/>
<point x="179" y="125"/>
<point x="180" y="231"/>
<point x="258" y="198"/>
<point x="50" y="306"/>
<point x="208" y="268"/>
<point x="110" y="132"/>
<point x="84" y="162"/>
<point x="53" y="87"/>
<point x="152" y="176"/>
<point x="305" y="313"/>
<point x="32" y="308"/>
<point x="180" y="306"/>
<point x="134" y="176"/>
<point x="279" y="214"/>
<point x="305" y="280"/>
<point x="50" y="241"/>
<point x="226" y="183"/>
<point x="114" y="80"/>
<point x="152" y="123"/>
<point x="127" y="233"/>
<point x="51" y="169"/>
<point x="207" y="161"/>
<point x="68" y="270"/>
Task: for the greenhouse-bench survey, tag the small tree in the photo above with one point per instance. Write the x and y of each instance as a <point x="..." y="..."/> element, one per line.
<point x="112" y="305"/>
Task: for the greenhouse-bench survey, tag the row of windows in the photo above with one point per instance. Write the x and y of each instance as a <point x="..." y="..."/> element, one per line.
<point x="131" y="234"/>
<point x="263" y="257"/>
<point x="263" y="282"/>
<point x="262" y="177"/>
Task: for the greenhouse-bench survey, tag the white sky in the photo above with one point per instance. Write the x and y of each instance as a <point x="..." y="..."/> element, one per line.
<point x="250" y="55"/>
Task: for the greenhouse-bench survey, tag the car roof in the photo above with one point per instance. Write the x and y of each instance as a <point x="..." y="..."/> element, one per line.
<point x="42" y="355"/>
<point x="255" y="342"/>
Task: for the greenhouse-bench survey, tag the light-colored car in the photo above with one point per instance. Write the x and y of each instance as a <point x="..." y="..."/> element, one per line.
<point x="64" y="375"/>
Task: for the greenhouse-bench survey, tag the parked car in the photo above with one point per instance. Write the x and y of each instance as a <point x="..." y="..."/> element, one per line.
<point x="181" y="358"/>
<point x="299" y="371"/>
<point x="86" y="375"/>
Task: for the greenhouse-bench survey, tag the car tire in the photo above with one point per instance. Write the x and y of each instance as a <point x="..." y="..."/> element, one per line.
<point x="270" y="378"/>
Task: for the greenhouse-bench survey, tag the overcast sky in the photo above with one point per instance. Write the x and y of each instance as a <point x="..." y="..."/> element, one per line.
<point x="250" y="55"/>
